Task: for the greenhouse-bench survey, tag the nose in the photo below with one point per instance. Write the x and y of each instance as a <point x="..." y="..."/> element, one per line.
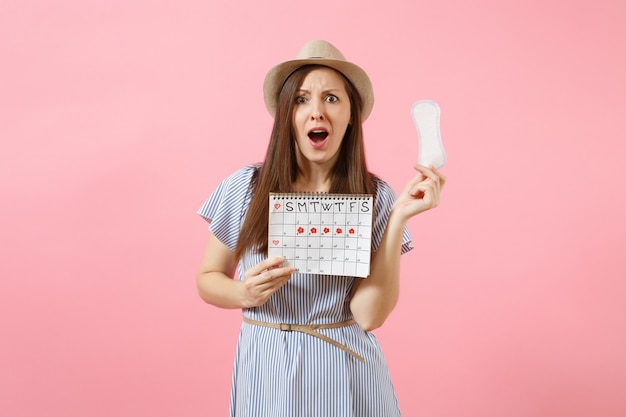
<point x="317" y="111"/>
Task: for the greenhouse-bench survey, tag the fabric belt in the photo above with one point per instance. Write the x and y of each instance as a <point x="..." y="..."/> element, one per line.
<point x="310" y="329"/>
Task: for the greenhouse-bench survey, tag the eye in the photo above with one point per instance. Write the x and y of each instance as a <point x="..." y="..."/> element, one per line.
<point x="300" y="100"/>
<point x="332" y="98"/>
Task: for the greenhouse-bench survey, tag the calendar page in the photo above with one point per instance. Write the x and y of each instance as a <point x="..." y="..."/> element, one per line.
<point x="328" y="234"/>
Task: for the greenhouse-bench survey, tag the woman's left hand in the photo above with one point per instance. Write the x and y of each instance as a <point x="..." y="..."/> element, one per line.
<point x="421" y="193"/>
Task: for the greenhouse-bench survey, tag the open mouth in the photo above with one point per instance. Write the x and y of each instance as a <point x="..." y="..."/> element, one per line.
<point x="318" y="135"/>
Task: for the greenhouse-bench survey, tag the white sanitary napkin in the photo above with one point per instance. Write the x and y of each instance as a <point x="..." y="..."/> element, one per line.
<point x="426" y="116"/>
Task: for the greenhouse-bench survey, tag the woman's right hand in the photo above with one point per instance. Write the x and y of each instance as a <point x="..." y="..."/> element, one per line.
<point x="264" y="279"/>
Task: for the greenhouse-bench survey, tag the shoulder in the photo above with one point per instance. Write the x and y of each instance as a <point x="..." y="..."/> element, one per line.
<point x="230" y="194"/>
<point x="241" y="177"/>
<point x="383" y="189"/>
<point x="238" y="182"/>
<point x="384" y="196"/>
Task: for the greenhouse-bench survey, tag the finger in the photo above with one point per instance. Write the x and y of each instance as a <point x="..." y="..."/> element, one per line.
<point x="259" y="288"/>
<point x="426" y="183"/>
<point x="264" y="291"/>
<point x="413" y="182"/>
<point x="266" y="264"/>
<point x="269" y="277"/>
<point x="430" y="172"/>
<point x="428" y="192"/>
<point x="442" y="178"/>
<point x="283" y="272"/>
<point x="420" y="190"/>
<point x="424" y="170"/>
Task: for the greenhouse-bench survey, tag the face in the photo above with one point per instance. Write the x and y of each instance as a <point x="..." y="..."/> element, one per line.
<point x="321" y="117"/>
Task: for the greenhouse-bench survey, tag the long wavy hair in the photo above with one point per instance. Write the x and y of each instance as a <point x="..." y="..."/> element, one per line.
<point x="280" y="168"/>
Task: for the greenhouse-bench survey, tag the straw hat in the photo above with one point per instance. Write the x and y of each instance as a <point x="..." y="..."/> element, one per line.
<point x="318" y="52"/>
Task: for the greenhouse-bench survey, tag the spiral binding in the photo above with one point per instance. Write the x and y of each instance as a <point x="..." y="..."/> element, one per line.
<point x="317" y="195"/>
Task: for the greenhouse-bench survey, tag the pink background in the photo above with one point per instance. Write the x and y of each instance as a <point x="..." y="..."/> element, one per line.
<point x="118" y="118"/>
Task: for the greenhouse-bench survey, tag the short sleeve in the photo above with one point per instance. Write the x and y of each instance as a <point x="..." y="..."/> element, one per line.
<point x="385" y="198"/>
<point x="226" y="207"/>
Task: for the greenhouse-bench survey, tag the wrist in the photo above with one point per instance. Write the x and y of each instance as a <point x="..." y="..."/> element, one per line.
<point x="242" y="294"/>
<point x="397" y="218"/>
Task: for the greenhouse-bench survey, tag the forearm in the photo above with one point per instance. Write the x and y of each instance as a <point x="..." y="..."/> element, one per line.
<point x="376" y="296"/>
<point x="220" y="290"/>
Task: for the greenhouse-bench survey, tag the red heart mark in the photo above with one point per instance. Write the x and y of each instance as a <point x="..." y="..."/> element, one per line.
<point x="275" y="242"/>
<point x="277" y="206"/>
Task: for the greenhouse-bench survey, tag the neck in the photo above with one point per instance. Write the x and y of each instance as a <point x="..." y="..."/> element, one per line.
<point x="312" y="178"/>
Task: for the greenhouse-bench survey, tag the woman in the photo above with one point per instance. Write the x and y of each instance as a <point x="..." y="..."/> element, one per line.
<point x="305" y="347"/>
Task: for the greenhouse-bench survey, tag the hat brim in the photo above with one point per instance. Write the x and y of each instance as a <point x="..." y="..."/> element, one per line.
<point x="276" y="77"/>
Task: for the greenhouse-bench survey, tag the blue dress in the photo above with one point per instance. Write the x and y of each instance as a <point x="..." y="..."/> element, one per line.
<point x="287" y="374"/>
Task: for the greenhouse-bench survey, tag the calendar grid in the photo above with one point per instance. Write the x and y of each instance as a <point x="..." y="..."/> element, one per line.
<point x="326" y="234"/>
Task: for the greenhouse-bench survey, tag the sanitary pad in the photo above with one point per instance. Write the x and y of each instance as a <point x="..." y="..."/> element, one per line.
<point x="426" y="116"/>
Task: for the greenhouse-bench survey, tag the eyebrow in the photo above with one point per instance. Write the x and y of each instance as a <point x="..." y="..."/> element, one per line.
<point x="301" y="90"/>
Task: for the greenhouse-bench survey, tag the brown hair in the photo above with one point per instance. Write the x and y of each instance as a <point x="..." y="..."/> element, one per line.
<point x="280" y="168"/>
